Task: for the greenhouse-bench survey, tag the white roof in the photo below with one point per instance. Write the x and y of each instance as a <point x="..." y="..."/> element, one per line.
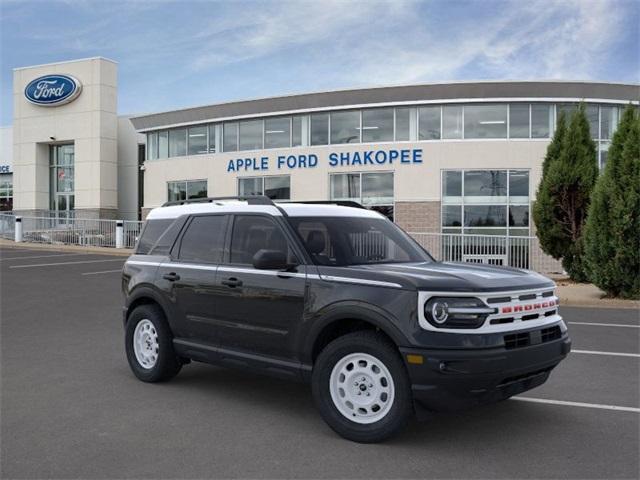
<point x="236" y="206"/>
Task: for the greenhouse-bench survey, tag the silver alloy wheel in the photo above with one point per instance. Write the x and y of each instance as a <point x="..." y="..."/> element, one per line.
<point x="145" y="344"/>
<point x="361" y="388"/>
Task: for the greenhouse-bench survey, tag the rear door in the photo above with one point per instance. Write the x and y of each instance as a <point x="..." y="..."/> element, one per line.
<point x="190" y="276"/>
<point x="256" y="310"/>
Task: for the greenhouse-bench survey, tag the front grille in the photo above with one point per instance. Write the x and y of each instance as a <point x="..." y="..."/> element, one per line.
<point x="523" y="377"/>
<point x="525" y="339"/>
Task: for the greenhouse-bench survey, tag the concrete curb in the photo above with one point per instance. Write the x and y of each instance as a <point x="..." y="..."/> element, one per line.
<point x="125" y="252"/>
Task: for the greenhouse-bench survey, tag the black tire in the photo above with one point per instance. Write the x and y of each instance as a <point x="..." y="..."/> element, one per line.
<point x="380" y="347"/>
<point x="167" y="364"/>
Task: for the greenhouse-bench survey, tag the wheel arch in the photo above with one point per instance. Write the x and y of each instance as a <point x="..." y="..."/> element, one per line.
<point x="145" y="296"/>
<point x="346" y="318"/>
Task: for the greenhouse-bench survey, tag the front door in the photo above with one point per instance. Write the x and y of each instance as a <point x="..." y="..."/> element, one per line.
<point x="257" y="309"/>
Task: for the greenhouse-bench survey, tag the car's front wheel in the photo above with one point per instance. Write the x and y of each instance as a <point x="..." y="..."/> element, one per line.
<point x="149" y="345"/>
<point x="361" y="387"/>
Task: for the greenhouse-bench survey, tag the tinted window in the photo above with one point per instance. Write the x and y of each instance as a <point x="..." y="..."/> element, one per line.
<point x="197" y="140"/>
<point x="377" y="125"/>
<point x="167" y="239"/>
<point x="485" y="121"/>
<point x="345" y="127"/>
<point x="252" y="233"/>
<point x="204" y="239"/>
<point x="541" y="120"/>
<point x="277" y="132"/>
<point x="519" y="120"/>
<point x="339" y="241"/>
<point x="151" y="233"/>
<point x="320" y="129"/>
<point x="403" y="123"/>
<point x="429" y="123"/>
<point x="251" y="135"/>
<point x="178" y="142"/>
<point x="452" y="121"/>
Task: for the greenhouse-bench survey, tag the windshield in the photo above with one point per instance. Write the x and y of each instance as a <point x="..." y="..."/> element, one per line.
<point x="342" y="241"/>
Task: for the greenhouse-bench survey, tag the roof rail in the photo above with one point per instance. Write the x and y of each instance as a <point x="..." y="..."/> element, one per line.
<point x="342" y="203"/>
<point x="250" y="199"/>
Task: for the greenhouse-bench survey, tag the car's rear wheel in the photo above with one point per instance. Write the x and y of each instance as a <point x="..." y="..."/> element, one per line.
<point x="149" y="345"/>
<point x="361" y="387"/>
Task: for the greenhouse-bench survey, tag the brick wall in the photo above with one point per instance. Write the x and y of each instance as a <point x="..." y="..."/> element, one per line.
<point x="418" y="216"/>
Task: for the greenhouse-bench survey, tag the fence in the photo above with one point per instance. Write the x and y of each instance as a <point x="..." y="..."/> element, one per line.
<point x="71" y="231"/>
<point x="519" y="252"/>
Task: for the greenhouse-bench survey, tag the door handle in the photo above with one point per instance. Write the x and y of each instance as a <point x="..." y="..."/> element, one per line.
<point x="172" y="277"/>
<point x="232" y="282"/>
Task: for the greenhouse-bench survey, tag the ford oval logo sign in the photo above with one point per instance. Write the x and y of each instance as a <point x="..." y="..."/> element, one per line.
<point x="53" y="90"/>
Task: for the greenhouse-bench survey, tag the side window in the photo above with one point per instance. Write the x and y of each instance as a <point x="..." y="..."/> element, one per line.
<point x="252" y="233"/>
<point x="204" y="239"/>
<point x="317" y="240"/>
<point x="153" y="229"/>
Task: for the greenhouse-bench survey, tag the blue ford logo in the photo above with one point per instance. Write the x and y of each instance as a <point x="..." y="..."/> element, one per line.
<point x="53" y="90"/>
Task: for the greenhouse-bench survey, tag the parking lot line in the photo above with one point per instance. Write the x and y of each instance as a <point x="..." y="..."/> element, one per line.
<point x="577" y="404"/>
<point x="42" y="256"/>
<point x="613" y="354"/>
<point x="604" y="324"/>
<point x="104" y="271"/>
<point x="68" y="263"/>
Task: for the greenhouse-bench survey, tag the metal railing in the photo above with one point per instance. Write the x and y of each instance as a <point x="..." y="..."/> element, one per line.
<point x="519" y="252"/>
<point x="7" y="226"/>
<point x="57" y="230"/>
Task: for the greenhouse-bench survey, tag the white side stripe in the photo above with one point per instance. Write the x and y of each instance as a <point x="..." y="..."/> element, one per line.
<point x="577" y="404"/>
<point x="360" y="281"/>
<point x="613" y="354"/>
<point x="604" y="324"/>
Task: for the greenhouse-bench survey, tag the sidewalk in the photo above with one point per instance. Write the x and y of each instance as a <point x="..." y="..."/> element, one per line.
<point x="67" y="248"/>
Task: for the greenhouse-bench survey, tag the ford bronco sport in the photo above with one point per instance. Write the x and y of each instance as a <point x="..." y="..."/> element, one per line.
<point x="340" y="297"/>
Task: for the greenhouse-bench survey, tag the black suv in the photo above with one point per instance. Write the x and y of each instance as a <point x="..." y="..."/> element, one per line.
<point x="340" y="297"/>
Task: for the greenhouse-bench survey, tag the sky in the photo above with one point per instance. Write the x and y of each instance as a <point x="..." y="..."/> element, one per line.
<point x="176" y="54"/>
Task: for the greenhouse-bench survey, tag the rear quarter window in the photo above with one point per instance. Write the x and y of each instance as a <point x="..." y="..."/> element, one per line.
<point x="152" y="231"/>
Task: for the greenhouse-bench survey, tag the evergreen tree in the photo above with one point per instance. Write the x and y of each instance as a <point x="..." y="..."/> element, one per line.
<point x="548" y="231"/>
<point x="612" y="242"/>
<point x="564" y="194"/>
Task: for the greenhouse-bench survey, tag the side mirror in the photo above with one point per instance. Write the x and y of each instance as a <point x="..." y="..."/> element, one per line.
<point x="270" y="260"/>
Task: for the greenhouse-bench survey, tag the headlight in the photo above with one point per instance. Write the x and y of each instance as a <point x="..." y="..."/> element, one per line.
<point x="456" y="312"/>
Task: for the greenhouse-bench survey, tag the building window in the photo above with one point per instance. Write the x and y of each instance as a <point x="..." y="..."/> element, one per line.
<point x="429" y="123"/>
<point x="541" y="120"/>
<point x="377" y="125"/>
<point x="519" y="120"/>
<point x="230" y="137"/>
<point x="276" y="187"/>
<point x="608" y="122"/>
<point x="320" y="129"/>
<point x="296" y="131"/>
<point x="197" y="140"/>
<point x="592" y="112"/>
<point x="6" y="192"/>
<point x="212" y="138"/>
<point x="374" y="190"/>
<point x="251" y="135"/>
<point x="277" y="132"/>
<point x="163" y="144"/>
<point x="345" y="127"/>
<point x="403" y="124"/>
<point x="62" y="177"/>
<point x="152" y="146"/>
<point x="452" y="121"/>
<point x="186" y="190"/>
<point x="178" y="142"/>
<point x="485" y="121"/>
<point x="485" y="202"/>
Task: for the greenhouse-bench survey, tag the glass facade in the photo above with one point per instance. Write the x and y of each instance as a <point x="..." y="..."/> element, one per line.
<point x="6" y="192"/>
<point x="62" y="179"/>
<point x="383" y="124"/>
<point x="186" y="190"/>
<point x="276" y="187"/>
<point x="486" y="202"/>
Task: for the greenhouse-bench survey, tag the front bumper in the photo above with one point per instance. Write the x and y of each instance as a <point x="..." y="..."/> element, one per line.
<point x="452" y="379"/>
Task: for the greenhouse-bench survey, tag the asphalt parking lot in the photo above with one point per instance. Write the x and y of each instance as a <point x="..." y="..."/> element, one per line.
<point x="70" y="408"/>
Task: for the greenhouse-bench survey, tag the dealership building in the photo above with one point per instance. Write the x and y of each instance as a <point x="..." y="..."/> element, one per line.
<point x="460" y="157"/>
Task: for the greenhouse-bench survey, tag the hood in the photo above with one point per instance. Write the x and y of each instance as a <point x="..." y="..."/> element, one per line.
<point x="448" y="276"/>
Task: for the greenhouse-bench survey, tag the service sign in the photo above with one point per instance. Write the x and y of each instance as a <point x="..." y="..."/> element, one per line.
<point x="53" y="90"/>
<point x="5" y="168"/>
